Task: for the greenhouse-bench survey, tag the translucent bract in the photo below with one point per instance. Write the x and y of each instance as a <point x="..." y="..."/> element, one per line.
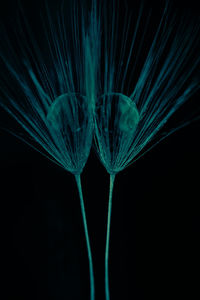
<point x="117" y="119"/>
<point x="70" y="121"/>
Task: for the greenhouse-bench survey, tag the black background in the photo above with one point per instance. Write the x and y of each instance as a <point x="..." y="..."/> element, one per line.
<point x="155" y="227"/>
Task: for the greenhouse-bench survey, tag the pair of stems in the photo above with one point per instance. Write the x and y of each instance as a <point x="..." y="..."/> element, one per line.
<point x="91" y="271"/>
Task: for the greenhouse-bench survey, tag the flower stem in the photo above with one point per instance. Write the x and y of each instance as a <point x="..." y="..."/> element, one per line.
<point x="107" y="292"/>
<point x="92" y="290"/>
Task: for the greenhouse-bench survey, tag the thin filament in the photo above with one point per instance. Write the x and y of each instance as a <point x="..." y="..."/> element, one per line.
<point x="107" y="292"/>
<point x="92" y="289"/>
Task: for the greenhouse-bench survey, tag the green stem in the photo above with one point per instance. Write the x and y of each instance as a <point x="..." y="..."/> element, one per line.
<point x="107" y="293"/>
<point x="78" y="181"/>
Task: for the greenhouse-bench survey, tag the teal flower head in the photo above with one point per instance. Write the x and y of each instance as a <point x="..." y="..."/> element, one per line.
<point x="148" y="72"/>
<point x="43" y="83"/>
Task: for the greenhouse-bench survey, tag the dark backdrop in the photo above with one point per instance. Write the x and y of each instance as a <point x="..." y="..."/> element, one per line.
<point x="155" y="229"/>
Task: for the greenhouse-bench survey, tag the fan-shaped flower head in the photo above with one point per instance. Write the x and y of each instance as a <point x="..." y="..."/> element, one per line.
<point x="150" y="68"/>
<point x="44" y="86"/>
